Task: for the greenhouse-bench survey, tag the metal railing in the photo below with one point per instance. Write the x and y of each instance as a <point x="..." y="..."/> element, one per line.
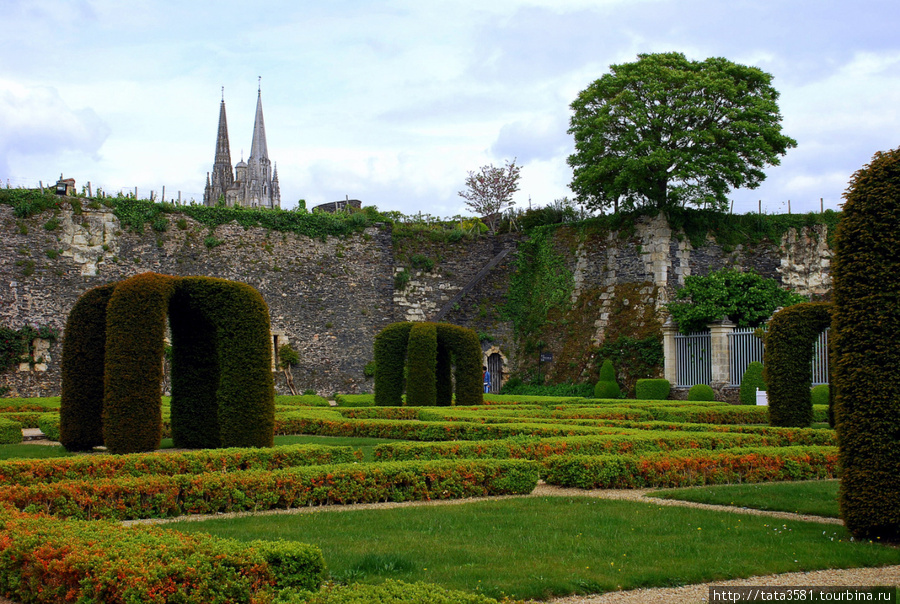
<point x="744" y="348"/>
<point x="693" y="360"/>
<point x="820" y="359"/>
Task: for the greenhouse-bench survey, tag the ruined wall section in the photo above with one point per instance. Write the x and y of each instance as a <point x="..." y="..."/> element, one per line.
<point x="326" y="298"/>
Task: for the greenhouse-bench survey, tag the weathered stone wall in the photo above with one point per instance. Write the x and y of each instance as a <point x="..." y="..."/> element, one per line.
<point x="329" y="298"/>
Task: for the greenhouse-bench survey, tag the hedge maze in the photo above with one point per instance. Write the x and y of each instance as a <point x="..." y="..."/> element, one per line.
<point x="222" y="384"/>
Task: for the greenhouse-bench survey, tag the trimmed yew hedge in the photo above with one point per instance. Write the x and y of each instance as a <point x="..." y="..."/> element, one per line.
<point x="866" y="349"/>
<point x="158" y="496"/>
<point x="421" y="385"/>
<point x="222" y="380"/>
<point x="83" y="362"/>
<point x="48" y="560"/>
<point x="691" y="468"/>
<point x="429" y="364"/>
<point x="787" y="361"/>
<point x="39" y="471"/>
<point x="652" y="389"/>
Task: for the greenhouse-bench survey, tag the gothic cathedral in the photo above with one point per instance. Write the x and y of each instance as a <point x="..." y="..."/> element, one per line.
<point x="253" y="184"/>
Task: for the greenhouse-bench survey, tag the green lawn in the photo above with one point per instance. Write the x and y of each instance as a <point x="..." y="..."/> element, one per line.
<point x="553" y="546"/>
<point x="816" y="497"/>
<point x="26" y="451"/>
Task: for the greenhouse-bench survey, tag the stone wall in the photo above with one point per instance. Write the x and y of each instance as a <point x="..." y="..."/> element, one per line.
<point x="329" y="298"/>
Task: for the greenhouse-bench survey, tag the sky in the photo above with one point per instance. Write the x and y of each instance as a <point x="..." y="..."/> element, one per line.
<point x="394" y="102"/>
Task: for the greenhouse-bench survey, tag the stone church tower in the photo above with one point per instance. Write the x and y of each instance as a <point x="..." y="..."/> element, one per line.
<point x="252" y="184"/>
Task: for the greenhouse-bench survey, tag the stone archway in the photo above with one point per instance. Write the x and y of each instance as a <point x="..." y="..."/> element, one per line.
<point x="498" y="365"/>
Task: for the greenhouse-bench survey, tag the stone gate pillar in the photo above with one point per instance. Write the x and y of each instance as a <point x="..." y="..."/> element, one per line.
<point x="720" y="354"/>
<point x="670" y="367"/>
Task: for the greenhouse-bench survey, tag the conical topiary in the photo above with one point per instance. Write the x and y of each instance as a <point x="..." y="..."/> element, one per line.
<point x="606" y="386"/>
<point x="751" y="382"/>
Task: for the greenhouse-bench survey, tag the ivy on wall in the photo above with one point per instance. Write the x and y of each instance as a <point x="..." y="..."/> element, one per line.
<point x="16" y="345"/>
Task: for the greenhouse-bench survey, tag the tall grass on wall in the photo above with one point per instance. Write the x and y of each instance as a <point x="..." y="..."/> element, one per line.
<point x="83" y="360"/>
<point x="866" y="350"/>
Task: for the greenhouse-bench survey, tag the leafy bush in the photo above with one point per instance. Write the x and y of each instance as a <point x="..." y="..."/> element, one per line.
<point x="701" y="392"/>
<point x="49" y="423"/>
<point x="865" y="349"/>
<point x="819" y="395"/>
<point x="606" y="386"/>
<point x="10" y="432"/>
<point x="746" y="298"/>
<point x="302" y="400"/>
<point x="652" y="389"/>
<point x="355" y="400"/>
<point x="751" y="382"/>
<point x="516" y="386"/>
<point x="788" y="361"/>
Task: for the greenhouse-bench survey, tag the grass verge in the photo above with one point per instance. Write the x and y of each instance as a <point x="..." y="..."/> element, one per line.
<point x="554" y="546"/>
<point x="815" y="497"/>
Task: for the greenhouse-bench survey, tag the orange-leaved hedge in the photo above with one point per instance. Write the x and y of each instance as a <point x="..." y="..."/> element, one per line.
<point x="50" y="560"/>
<point x="691" y="468"/>
<point x="249" y="490"/>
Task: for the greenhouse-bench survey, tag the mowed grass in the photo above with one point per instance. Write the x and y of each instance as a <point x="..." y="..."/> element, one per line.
<point x="816" y="497"/>
<point x="554" y="546"/>
<point x="26" y="451"/>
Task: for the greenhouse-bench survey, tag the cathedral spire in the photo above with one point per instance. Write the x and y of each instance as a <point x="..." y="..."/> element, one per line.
<point x="258" y="149"/>
<point x="222" y="175"/>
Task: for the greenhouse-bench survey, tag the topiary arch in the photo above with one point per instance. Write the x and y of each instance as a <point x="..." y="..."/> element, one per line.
<point x="431" y="349"/>
<point x="222" y="383"/>
<point x="787" y="361"/>
<point x="866" y="350"/>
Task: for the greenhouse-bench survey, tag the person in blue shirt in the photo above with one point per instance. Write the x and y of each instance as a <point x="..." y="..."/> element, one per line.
<point x="487" y="379"/>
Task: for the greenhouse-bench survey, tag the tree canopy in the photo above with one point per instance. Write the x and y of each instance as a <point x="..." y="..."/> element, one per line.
<point x="746" y="298"/>
<point x="665" y="131"/>
<point x="489" y="191"/>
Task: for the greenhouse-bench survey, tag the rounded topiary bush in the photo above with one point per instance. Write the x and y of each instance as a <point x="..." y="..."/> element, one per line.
<point x="865" y="349"/>
<point x="819" y="394"/>
<point x="606" y="386"/>
<point x="751" y="382"/>
<point x="701" y="392"/>
<point x="652" y="389"/>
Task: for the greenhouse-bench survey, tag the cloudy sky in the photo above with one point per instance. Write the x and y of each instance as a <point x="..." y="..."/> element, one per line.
<point x="393" y="102"/>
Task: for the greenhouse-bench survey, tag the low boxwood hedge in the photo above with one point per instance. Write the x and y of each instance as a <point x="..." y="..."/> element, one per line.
<point x="10" y="432"/>
<point x="158" y="496"/>
<point x="49" y="560"/>
<point x="691" y="468"/>
<point x="42" y="471"/>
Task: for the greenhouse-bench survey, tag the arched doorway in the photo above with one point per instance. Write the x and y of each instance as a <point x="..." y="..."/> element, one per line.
<point x="495" y="366"/>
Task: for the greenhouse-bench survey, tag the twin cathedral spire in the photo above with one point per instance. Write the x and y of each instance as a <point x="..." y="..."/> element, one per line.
<point x="252" y="184"/>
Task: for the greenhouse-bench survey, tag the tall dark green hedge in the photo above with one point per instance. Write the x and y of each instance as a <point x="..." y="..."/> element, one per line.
<point x="135" y="332"/>
<point x="234" y="363"/>
<point x="465" y="347"/>
<point x="83" y="360"/>
<point x="390" y="359"/>
<point x="866" y="349"/>
<point x="455" y="345"/>
<point x="787" y="361"/>
<point x="421" y="380"/>
<point x="223" y="389"/>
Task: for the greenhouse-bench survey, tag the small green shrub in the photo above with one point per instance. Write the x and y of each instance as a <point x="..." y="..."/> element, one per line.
<point x="160" y="225"/>
<point x="52" y="224"/>
<point x="421" y="262"/>
<point x="211" y="242"/>
<point x="652" y="389"/>
<point x="606" y="386"/>
<point x="819" y="394"/>
<point x="701" y="392"/>
<point x="10" y="432"/>
<point x="369" y="369"/>
<point x="752" y="380"/>
<point x="401" y="279"/>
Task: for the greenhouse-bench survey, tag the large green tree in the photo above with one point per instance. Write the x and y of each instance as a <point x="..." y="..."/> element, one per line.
<point x="665" y="131"/>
